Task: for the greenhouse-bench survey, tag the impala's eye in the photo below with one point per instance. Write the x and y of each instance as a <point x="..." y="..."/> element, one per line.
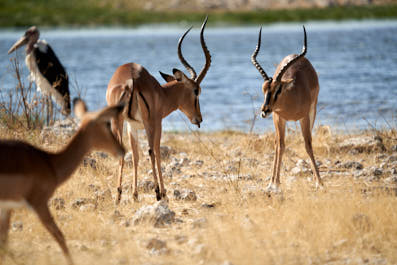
<point x="196" y="91"/>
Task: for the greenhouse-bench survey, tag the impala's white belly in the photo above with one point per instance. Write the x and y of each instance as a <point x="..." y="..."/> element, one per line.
<point x="41" y="82"/>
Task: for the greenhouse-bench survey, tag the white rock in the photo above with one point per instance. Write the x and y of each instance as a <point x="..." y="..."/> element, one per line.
<point x="157" y="214"/>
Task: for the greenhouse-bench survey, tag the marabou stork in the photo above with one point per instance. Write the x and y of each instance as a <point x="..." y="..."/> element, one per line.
<point x="45" y="70"/>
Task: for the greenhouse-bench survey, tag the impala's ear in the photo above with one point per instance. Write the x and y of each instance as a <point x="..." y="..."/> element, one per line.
<point x="79" y="108"/>
<point x="110" y="112"/>
<point x="179" y="75"/>
<point x="128" y="85"/>
<point x="167" y="78"/>
<point x="123" y="96"/>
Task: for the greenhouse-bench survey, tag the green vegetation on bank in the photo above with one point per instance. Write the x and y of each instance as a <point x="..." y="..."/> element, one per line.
<point x="23" y="13"/>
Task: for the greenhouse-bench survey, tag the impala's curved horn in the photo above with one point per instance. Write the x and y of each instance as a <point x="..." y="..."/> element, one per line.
<point x="253" y="57"/>
<point x="287" y="65"/>
<point x="190" y="69"/>
<point x="207" y="54"/>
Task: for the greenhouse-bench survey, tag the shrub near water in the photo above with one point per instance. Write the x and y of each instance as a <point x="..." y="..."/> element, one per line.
<point x="230" y="219"/>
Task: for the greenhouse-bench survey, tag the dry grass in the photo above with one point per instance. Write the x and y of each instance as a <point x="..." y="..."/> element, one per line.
<point x="339" y="225"/>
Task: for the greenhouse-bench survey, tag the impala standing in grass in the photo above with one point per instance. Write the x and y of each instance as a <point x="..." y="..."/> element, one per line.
<point x="291" y="95"/>
<point x="148" y="102"/>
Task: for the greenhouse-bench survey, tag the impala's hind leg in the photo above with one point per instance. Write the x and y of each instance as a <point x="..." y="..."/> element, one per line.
<point x="157" y="153"/>
<point x="306" y="124"/>
<point x="134" y="142"/>
<point x="117" y="130"/>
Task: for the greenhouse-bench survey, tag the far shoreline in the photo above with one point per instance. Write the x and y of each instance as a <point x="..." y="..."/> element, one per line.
<point x="77" y="14"/>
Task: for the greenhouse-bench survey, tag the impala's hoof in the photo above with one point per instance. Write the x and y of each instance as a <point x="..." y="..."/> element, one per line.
<point x="158" y="195"/>
<point x="272" y="189"/>
<point x="320" y="186"/>
<point x="135" y="196"/>
<point x="164" y="197"/>
<point x="118" y="197"/>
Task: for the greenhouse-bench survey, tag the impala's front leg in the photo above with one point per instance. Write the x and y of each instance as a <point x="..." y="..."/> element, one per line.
<point x="279" y="124"/>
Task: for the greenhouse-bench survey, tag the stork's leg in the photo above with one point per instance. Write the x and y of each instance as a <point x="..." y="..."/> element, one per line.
<point x="47" y="104"/>
<point x="117" y="130"/>
<point x="279" y="144"/>
<point x="307" y="136"/>
<point x="134" y="142"/>
<point x="51" y="110"/>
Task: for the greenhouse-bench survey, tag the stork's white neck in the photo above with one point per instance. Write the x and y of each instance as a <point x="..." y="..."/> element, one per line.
<point x="42" y="45"/>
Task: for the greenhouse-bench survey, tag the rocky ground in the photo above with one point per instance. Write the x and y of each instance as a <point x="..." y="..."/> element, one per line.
<point x="217" y="211"/>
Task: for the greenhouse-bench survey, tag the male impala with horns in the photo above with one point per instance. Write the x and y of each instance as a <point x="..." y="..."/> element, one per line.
<point x="291" y="95"/>
<point x="148" y="102"/>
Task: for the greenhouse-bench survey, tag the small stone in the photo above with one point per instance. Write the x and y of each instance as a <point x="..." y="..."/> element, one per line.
<point x="301" y="163"/>
<point x="180" y="239"/>
<point x="200" y="249"/>
<point x="373" y="178"/>
<point x="116" y="215"/>
<point x="146" y="185"/>
<point x="58" y="203"/>
<point x="392" y="158"/>
<point x="166" y="151"/>
<point x="125" y="223"/>
<point x="83" y="247"/>
<point x="184" y="161"/>
<point x="157" y="214"/>
<point x="199" y="223"/>
<point x="377" y="171"/>
<point x="128" y="157"/>
<point x="208" y="205"/>
<point x="93" y="188"/>
<point x="17" y="226"/>
<point x="87" y="207"/>
<point x="198" y="163"/>
<point x="362" y="222"/>
<point x="103" y="195"/>
<point x="88" y="161"/>
<point x="157" y="246"/>
<point x="102" y="155"/>
<point x="185" y="195"/>
<point x="353" y="164"/>
<point x="394" y="148"/>
<point x="392" y="179"/>
<point x="380" y="157"/>
<point x="81" y="201"/>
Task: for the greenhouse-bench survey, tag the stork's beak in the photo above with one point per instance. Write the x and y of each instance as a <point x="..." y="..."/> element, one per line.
<point x="22" y="41"/>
